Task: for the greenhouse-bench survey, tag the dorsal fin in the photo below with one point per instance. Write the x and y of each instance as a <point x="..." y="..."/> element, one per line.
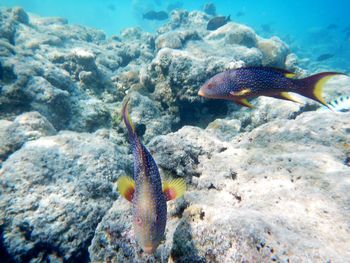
<point x="285" y="72"/>
<point x="127" y="120"/>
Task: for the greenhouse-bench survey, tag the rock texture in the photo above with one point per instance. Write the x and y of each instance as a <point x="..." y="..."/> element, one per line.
<point x="54" y="192"/>
<point x="268" y="184"/>
<point x="60" y="70"/>
<point x="27" y="126"/>
<point x="77" y="76"/>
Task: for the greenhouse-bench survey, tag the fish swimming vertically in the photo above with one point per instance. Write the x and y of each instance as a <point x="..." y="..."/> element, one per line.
<point x="239" y="85"/>
<point x="146" y="192"/>
<point x="217" y="22"/>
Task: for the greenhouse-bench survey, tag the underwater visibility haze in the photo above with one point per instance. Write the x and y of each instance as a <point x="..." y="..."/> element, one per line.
<point x="174" y="131"/>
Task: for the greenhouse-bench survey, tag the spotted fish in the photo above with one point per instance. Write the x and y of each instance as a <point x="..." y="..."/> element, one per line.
<point x="340" y="104"/>
<point x="241" y="84"/>
<point x="146" y="192"/>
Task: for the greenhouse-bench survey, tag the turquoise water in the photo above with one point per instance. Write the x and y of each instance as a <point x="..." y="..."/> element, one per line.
<point x="286" y="17"/>
<point x="311" y="28"/>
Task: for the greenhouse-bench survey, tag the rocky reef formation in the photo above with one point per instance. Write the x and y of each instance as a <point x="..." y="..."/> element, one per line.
<point x="277" y="193"/>
<point x="263" y="184"/>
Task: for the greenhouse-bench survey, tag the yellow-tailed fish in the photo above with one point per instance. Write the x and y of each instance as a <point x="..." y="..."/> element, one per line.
<point x="146" y="192"/>
<point x="241" y="84"/>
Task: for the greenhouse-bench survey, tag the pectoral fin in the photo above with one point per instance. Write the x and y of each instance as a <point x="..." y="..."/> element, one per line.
<point x="285" y="96"/>
<point x="126" y="187"/>
<point x="290" y="75"/>
<point x="242" y="92"/>
<point x="243" y="102"/>
<point x="174" y="189"/>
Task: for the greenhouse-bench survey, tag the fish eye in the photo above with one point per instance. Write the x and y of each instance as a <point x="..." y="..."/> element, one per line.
<point x="210" y="85"/>
<point x="138" y="220"/>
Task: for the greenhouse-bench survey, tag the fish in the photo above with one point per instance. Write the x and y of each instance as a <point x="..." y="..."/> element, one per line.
<point x="332" y="26"/>
<point x="217" y="22"/>
<point x="340" y="104"/>
<point x="210" y="9"/>
<point x="239" y="85"/>
<point x="240" y="13"/>
<point x="154" y="15"/>
<point x="324" y="57"/>
<point x="347" y="160"/>
<point x="146" y="192"/>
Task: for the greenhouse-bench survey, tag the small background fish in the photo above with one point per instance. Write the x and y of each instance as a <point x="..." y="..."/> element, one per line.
<point x="217" y="22"/>
<point x="324" y="57"/>
<point x="154" y="15"/>
<point x="340" y="104"/>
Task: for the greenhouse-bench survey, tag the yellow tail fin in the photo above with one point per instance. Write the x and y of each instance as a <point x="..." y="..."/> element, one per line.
<point x="312" y="86"/>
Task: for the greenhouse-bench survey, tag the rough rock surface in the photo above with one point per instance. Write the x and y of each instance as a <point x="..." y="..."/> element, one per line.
<point x="54" y="192"/>
<point x="59" y="69"/>
<point x="27" y="126"/>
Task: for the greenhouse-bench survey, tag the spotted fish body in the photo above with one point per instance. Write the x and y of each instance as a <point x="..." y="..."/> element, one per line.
<point x="148" y="202"/>
<point x="146" y="193"/>
<point x="239" y="85"/>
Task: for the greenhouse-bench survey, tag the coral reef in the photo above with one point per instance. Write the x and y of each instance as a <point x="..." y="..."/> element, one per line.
<point x="55" y="190"/>
<point x="277" y="193"/>
<point x="268" y="184"/>
<point x="26" y="127"/>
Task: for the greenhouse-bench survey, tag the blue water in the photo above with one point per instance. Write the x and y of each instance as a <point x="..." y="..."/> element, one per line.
<point x="311" y="28"/>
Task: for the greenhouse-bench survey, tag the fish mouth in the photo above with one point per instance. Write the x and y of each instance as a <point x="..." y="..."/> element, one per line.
<point x="148" y="249"/>
<point x="201" y="93"/>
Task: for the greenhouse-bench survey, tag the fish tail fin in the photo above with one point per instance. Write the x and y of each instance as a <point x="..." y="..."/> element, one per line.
<point x="312" y="86"/>
<point x="128" y="123"/>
